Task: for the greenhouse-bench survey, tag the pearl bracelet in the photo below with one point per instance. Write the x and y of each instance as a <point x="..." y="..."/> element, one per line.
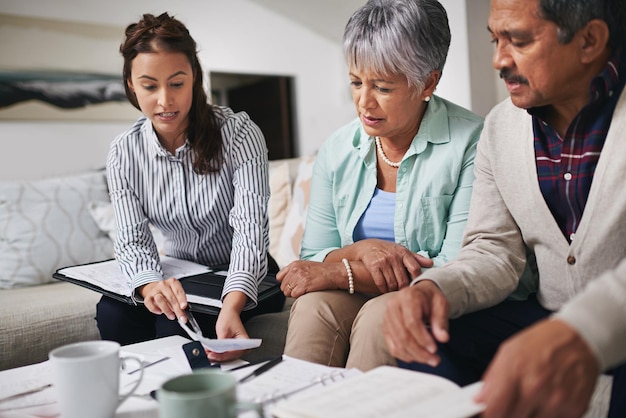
<point x="350" y="277"/>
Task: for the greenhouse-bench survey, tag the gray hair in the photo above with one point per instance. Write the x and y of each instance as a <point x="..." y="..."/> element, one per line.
<point x="572" y="15"/>
<point x="408" y="37"/>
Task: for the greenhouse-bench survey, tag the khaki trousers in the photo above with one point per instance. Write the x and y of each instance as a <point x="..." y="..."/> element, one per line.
<point x="335" y="328"/>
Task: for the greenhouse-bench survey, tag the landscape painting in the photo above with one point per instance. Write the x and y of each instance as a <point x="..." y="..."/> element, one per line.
<point x="64" y="90"/>
<point x="73" y="71"/>
<point x="28" y="95"/>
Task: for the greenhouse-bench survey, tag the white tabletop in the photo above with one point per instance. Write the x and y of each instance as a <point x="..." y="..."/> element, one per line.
<point x="140" y="405"/>
<point x="163" y="359"/>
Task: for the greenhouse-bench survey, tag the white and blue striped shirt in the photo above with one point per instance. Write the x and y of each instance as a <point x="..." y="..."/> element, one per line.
<point x="212" y="219"/>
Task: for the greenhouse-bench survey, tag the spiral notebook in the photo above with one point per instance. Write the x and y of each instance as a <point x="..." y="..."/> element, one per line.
<point x="385" y="391"/>
<point x="288" y="379"/>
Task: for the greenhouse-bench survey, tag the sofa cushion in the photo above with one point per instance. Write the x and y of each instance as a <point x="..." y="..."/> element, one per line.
<point x="280" y="197"/>
<point x="291" y="235"/>
<point x="37" y="319"/>
<point x="45" y="225"/>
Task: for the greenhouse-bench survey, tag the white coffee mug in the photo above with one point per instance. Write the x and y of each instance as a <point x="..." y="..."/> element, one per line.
<point x="86" y="378"/>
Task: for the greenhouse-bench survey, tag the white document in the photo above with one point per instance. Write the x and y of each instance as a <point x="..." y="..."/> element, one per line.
<point x="28" y="386"/>
<point x="224" y="344"/>
<point x="108" y="276"/>
<point x="388" y="392"/>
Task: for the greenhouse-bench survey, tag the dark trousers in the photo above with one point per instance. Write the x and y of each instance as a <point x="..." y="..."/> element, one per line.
<point x="128" y="324"/>
<point x="475" y="337"/>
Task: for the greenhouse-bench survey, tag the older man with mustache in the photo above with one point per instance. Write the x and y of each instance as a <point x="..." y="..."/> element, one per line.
<point x="549" y="191"/>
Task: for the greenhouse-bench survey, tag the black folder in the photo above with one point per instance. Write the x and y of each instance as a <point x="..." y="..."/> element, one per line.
<point x="208" y="285"/>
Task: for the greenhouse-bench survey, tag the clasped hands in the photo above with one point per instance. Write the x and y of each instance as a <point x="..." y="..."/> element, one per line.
<point x="378" y="267"/>
<point x="168" y="297"/>
<point x="547" y="370"/>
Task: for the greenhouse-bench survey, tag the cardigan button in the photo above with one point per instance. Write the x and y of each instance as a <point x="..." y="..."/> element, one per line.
<point x="571" y="260"/>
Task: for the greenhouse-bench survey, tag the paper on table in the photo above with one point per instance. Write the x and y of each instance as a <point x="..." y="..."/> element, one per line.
<point x="147" y="360"/>
<point x="287" y="378"/>
<point x="224" y="344"/>
<point x="154" y="376"/>
<point x="23" y="379"/>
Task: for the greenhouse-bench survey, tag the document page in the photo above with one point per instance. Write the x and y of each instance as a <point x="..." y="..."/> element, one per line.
<point x="29" y="386"/>
<point x="289" y="377"/>
<point x="108" y="276"/>
<point x="384" y="391"/>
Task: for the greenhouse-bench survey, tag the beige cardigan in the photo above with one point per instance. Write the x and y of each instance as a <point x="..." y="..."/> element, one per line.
<point x="508" y="212"/>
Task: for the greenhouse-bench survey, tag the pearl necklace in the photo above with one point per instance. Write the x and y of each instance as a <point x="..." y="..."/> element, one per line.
<point x="383" y="157"/>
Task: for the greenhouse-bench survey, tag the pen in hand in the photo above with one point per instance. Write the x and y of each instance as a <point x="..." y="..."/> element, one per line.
<point x="261" y="369"/>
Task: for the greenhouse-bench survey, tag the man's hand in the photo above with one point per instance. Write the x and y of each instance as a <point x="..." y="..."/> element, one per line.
<point x="391" y="265"/>
<point x="546" y="370"/>
<point x="165" y="297"/>
<point x="406" y="326"/>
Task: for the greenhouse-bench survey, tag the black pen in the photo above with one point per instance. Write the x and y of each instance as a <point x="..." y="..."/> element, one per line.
<point x="254" y="363"/>
<point x="261" y="369"/>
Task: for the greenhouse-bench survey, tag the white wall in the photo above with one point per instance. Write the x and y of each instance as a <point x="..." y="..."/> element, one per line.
<point x="233" y="36"/>
<point x="455" y="83"/>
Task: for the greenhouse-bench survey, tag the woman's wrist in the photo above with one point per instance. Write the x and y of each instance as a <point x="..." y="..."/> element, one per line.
<point x="349" y="275"/>
<point x="234" y="301"/>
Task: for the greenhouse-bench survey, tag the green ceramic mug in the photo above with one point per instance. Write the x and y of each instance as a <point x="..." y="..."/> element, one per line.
<point x="204" y="393"/>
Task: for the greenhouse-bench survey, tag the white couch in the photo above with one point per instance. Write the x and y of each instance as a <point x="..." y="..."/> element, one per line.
<point x="50" y="223"/>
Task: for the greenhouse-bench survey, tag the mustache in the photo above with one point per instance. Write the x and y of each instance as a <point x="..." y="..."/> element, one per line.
<point x="506" y="75"/>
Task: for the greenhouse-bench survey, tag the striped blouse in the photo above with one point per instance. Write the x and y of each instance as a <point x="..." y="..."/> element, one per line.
<point x="217" y="218"/>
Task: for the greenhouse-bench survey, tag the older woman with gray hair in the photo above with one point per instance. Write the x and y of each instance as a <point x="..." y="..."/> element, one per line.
<point x="390" y="191"/>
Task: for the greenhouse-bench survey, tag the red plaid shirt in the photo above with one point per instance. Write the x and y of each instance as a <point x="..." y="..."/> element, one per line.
<point x="565" y="166"/>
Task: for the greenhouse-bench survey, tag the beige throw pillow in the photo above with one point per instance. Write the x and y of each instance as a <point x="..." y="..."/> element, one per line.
<point x="293" y="229"/>
<point x="280" y="198"/>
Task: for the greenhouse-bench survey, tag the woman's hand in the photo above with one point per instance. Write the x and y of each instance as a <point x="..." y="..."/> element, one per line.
<point x="229" y="325"/>
<point x="165" y="297"/>
<point x="391" y="265"/>
<point x="301" y="277"/>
